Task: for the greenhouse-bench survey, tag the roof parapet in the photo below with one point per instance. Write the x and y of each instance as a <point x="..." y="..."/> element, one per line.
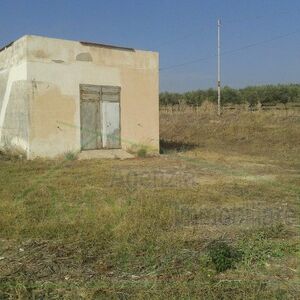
<point x="107" y="46"/>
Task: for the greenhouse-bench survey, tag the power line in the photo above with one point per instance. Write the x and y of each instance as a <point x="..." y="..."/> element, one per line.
<point x="278" y="13"/>
<point x="209" y="28"/>
<point x="187" y="63"/>
<point x="262" y="42"/>
<point x="230" y="51"/>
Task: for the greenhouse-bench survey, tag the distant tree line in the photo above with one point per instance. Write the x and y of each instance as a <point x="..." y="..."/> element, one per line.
<point x="266" y="94"/>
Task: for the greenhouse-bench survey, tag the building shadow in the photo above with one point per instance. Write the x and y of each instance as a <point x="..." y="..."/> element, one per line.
<point x="171" y="146"/>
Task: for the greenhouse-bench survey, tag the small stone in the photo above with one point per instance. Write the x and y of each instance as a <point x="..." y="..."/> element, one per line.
<point x="21" y="250"/>
<point x="2" y="257"/>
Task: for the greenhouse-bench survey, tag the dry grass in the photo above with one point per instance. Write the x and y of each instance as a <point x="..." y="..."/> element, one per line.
<point x="272" y="134"/>
<point x="142" y="228"/>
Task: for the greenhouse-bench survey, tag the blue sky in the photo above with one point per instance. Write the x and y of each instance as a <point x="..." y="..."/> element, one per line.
<point x="181" y="30"/>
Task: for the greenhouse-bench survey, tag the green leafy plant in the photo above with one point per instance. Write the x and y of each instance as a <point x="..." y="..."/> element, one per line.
<point x="223" y="255"/>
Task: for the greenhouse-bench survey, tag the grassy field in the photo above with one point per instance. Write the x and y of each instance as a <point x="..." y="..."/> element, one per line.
<point x="216" y="216"/>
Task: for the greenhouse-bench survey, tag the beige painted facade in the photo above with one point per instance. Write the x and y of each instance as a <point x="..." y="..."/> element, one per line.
<point x="40" y="94"/>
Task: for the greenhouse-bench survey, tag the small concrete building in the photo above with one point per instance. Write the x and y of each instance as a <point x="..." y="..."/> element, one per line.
<point x="59" y="96"/>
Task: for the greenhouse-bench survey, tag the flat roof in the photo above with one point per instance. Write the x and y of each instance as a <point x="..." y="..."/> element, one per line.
<point x="101" y="45"/>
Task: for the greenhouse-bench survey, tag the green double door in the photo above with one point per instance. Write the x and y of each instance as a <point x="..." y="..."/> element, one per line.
<point x="100" y="117"/>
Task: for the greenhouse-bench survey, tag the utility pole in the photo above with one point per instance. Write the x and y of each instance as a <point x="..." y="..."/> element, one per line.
<point x="219" y="68"/>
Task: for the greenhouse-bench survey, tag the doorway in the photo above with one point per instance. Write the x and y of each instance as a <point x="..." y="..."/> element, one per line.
<point x="100" y="117"/>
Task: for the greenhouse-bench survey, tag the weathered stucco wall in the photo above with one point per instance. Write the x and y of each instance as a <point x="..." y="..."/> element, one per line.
<point x="54" y="69"/>
<point x="14" y="100"/>
<point x="58" y="67"/>
<point x="15" y="133"/>
<point x="3" y="83"/>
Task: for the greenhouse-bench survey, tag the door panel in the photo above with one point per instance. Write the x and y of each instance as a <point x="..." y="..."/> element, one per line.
<point x="111" y="97"/>
<point x="110" y="89"/>
<point x="89" y="112"/>
<point x="100" y="116"/>
<point x="111" y="124"/>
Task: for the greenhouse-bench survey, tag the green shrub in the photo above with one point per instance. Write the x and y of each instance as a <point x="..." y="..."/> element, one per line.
<point x="223" y="255"/>
<point x="142" y="152"/>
